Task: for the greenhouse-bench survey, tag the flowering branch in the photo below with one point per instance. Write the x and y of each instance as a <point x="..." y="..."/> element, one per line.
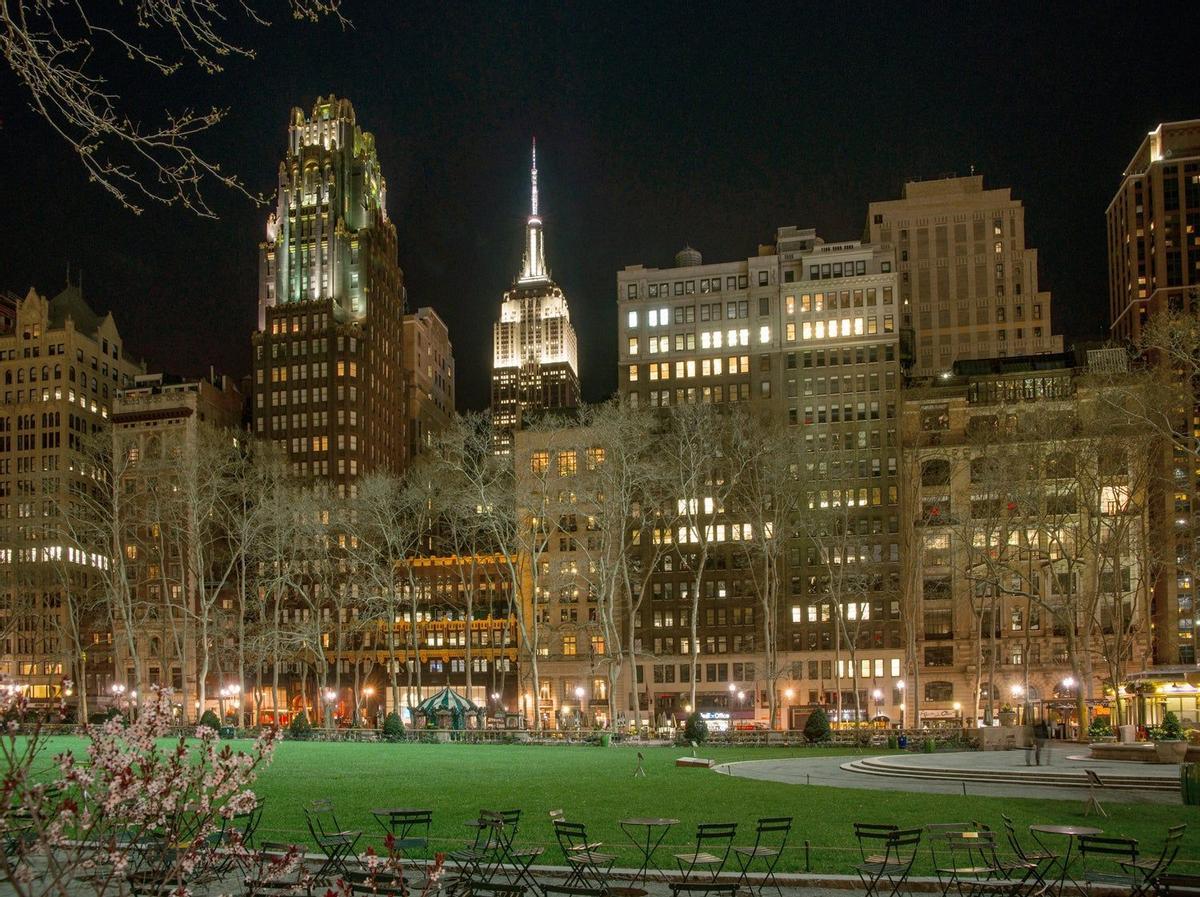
<point x="50" y="46"/>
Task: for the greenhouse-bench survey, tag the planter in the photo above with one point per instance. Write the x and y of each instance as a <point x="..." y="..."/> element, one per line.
<point x="1008" y="718"/>
<point x="1170" y="751"/>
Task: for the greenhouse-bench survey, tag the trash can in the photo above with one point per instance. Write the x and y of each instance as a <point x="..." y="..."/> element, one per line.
<point x="227" y="732"/>
<point x="605" y="739"/>
<point x="902" y="741"/>
<point x="1189" y="783"/>
<point x="1127" y="734"/>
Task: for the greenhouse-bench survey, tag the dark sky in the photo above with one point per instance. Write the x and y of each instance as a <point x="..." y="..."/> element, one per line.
<point x="705" y="124"/>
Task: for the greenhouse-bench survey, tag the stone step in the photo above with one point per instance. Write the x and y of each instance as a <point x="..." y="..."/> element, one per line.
<point x="871" y="766"/>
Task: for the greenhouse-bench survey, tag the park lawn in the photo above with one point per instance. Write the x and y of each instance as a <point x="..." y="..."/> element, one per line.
<point x="596" y="786"/>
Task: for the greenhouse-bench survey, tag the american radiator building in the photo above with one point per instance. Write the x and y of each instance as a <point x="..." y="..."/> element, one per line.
<point x="535" y="361"/>
<point x="328" y="373"/>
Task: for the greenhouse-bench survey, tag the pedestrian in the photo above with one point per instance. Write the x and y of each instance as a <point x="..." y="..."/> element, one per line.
<point x="1041" y="734"/>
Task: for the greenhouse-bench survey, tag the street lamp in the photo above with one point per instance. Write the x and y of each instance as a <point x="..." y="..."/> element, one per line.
<point x="900" y="688"/>
<point x="330" y="701"/>
<point x="877" y="695"/>
<point x="369" y="693"/>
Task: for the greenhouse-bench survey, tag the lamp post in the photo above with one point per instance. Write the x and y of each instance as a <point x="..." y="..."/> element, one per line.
<point x="877" y="695"/>
<point x="369" y="693"/>
<point x="958" y="713"/>
<point x="1017" y="691"/>
<point x="580" y="694"/>
<point x="900" y="688"/>
<point x="330" y="702"/>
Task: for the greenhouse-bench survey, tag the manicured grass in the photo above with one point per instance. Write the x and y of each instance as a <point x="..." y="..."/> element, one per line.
<point x="596" y="786"/>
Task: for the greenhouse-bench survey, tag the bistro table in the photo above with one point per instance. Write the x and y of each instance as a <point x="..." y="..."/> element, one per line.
<point x="651" y="841"/>
<point x="1071" y="833"/>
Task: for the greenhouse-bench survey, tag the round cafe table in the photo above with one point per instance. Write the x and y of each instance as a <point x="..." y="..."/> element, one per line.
<point x="655" y="829"/>
<point x="1071" y="833"/>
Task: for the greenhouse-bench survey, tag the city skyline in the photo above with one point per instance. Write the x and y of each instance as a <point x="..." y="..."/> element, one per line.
<point x="632" y="171"/>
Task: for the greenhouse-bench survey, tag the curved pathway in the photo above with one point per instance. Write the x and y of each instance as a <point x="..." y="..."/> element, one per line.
<point x="987" y="773"/>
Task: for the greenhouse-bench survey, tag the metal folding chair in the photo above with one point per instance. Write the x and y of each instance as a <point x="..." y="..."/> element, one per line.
<point x="1039" y="862"/>
<point x="1109" y="862"/>
<point x="588" y="864"/>
<point x="714" y="841"/>
<point x="888" y="854"/>
<point x="770" y="839"/>
<point x="336" y="842"/>
<point x="1155" y="868"/>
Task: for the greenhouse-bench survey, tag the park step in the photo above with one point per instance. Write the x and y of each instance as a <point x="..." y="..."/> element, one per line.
<point x="1036" y="776"/>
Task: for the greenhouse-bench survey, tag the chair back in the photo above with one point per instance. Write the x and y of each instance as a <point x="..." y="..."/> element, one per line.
<point x="1013" y="841"/>
<point x="873" y="836"/>
<point x="322" y="818"/>
<point x="901" y="846"/>
<point x="1170" y="850"/>
<point x="714" y="834"/>
<point x="1106" y="855"/>
<point x="245" y="824"/>
<point x="972" y="850"/>
<point x="772" y="831"/>
<point x="572" y="836"/>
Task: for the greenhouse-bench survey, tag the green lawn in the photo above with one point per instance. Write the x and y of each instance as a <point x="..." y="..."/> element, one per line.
<point x="596" y="786"/>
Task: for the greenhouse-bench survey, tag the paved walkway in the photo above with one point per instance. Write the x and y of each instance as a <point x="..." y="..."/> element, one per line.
<point x="829" y="771"/>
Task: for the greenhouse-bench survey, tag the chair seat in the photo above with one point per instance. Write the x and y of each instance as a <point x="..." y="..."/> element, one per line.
<point x="595" y="845"/>
<point x="411" y="842"/>
<point x="967" y="870"/>
<point x="697" y="859"/>
<point x="757" y="851"/>
<point x="527" y="852"/>
<point x="1039" y="855"/>
<point x="877" y="866"/>
<point x="589" y="856"/>
<point x="1112" y="878"/>
<point x="339" y="837"/>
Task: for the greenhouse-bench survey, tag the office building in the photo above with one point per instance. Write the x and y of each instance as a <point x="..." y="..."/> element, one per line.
<point x="428" y="377"/>
<point x="806" y="331"/>
<point x="968" y="279"/>
<point x="63" y="365"/>
<point x="535" y="360"/>
<point x="328" y="383"/>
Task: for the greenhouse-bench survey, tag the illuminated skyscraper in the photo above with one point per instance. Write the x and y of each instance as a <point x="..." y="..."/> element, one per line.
<point x="328" y="377"/>
<point x="535" y="362"/>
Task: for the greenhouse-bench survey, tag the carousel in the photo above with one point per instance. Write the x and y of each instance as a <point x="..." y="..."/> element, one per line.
<point x="447" y="709"/>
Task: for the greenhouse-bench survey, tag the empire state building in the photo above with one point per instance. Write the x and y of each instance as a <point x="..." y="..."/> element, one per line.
<point x="535" y="363"/>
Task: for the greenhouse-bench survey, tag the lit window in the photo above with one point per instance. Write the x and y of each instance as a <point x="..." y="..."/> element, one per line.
<point x="632" y="319"/>
<point x="633" y="345"/>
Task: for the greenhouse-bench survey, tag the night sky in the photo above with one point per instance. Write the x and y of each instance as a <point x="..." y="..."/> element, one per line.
<point x="708" y="125"/>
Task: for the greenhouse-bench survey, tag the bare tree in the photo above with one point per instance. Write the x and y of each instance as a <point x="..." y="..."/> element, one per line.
<point x="52" y="50"/>
<point x="767" y="497"/>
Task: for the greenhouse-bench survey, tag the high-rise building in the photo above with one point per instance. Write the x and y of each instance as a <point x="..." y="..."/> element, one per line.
<point x="968" y="280"/>
<point x="996" y="577"/>
<point x="158" y="420"/>
<point x="63" y="365"/>
<point x="1154" y="266"/>
<point x="428" y="377"/>
<point x="806" y="331"/>
<point x="535" y="360"/>
<point x="1154" y="228"/>
<point x="328" y="369"/>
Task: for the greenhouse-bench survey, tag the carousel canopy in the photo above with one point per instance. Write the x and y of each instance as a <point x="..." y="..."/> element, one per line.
<point x="448" y="701"/>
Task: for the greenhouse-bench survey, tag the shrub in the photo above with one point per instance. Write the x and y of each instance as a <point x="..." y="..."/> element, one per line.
<point x="816" y="728"/>
<point x="393" y="727"/>
<point x="300" y="727"/>
<point x="208" y="718"/>
<point x="1099" y="727"/>
<point x="695" y="729"/>
<point x="1170" y="730"/>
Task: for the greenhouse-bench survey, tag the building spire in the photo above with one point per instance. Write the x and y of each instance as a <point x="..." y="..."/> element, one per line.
<point x="533" y="266"/>
<point x="533" y="181"/>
